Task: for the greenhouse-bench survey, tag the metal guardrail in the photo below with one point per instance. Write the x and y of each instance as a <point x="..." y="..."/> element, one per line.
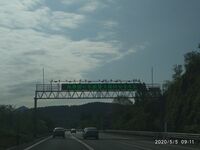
<point x="165" y="135"/>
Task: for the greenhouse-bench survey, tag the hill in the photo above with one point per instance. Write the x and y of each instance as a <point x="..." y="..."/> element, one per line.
<point x="97" y="114"/>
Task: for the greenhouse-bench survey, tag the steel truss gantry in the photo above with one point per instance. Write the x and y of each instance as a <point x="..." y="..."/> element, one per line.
<point x="83" y="94"/>
<point x="86" y="90"/>
<point x="48" y="91"/>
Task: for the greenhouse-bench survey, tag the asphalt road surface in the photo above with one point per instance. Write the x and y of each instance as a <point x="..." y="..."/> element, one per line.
<point x="105" y="142"/>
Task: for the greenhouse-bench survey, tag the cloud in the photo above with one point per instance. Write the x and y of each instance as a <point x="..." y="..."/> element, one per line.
<point x="109" y="24"/>
<point x="32" y="49"/>
<point x="70" y="2"/>
<point x="16" y="14"/>
<point x="35" y="52"/>
<point x="61" y="19"/>
<point x="21" y="17"/>
<point x="29" y="42"/>
<point x="121" y="55"/>
<point x="86" y="6"/>
<point x="90" y="6"/>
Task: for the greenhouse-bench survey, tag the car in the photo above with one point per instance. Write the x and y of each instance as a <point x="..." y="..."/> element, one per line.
<point x="73" y="130"/>
<point x="59" y="131"/>
<point x="90" y="132"/>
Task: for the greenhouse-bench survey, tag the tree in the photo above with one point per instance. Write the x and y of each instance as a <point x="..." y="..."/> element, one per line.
<point x="166" y="85"/>
<point x="183" y="95"/>
<point x="192" y="62"/>
<point x="177" y="71"/>
<point x="122" y="100"/>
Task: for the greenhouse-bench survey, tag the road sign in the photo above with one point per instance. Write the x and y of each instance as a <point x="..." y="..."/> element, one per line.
<point x="98" y="87"/>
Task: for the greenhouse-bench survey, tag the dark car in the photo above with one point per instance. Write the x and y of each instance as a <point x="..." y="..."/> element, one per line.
<point x="90" y="132"/>
<point x="59" y="131"/>
<point x="73" y="130"/>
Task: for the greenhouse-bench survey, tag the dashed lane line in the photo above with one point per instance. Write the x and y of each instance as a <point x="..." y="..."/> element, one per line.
<point x="83" y="143"/>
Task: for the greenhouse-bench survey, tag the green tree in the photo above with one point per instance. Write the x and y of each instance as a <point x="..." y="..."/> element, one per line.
<point x="177" y="71"/>
<point x="166" y="85"/>
<point x="183" y="97"/>
<point x="123" y="100"/>
<point x="192" y="62"/>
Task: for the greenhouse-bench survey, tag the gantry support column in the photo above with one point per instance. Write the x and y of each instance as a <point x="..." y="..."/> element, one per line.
<point x="35" y="115"/>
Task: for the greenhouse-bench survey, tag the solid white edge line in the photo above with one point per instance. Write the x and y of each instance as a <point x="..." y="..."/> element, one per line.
<point x="86" y="145"/>
<point x="28" y="148"/>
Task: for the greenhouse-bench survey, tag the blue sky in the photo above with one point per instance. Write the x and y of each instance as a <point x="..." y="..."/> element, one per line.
<point x="91" y="39"/>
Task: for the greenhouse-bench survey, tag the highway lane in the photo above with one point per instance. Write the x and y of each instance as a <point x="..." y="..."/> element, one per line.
<point x="119" y="142"/>
<point x="106" y="142"/>
<point x="59" y="143"/>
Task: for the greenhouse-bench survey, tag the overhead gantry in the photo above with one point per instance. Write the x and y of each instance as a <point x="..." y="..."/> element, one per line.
<point x="88" y="90"/>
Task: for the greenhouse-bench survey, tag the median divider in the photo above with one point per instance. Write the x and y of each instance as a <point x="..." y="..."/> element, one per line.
<point x="165" y="135"/>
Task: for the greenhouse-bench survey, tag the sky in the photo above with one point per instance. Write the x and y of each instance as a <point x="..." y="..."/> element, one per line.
<point x="91" y="39"/>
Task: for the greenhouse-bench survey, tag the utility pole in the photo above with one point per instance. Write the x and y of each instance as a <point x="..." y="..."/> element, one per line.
<point x="35" y="117"/>
<point x="152" y="76"/>
<point x="43" y="78"/>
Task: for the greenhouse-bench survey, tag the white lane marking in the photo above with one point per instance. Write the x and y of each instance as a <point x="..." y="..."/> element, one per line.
<point x="140" y="147"/>
<point x="28" y="148"/>
<point x="86" y="145"/>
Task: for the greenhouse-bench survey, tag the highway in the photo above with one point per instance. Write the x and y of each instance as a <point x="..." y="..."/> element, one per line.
<point x="105" y="142"/>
